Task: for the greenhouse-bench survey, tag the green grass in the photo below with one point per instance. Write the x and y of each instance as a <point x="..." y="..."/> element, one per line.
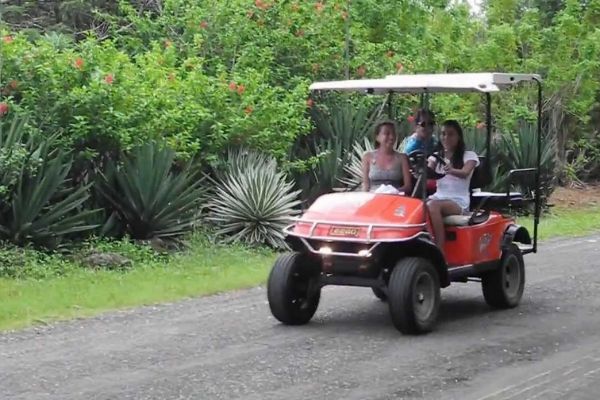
<point x="563" y="222"/>
<point x="80" y="292"/>
<point x="54" y="288"/>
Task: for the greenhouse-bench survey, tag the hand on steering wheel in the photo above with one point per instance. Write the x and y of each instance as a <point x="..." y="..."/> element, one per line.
<point x="440" y="160"/>
<point x="415" y="154"/>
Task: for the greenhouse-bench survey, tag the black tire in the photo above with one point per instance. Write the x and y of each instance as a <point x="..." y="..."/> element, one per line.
<point x="503" y="287"/>
<point x="379" y="293"/>
<point x="288" y="289"/>
<point x="414" y="295"/>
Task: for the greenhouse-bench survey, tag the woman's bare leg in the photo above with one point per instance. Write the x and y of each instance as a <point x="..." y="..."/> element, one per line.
<point x="438" y="209"/>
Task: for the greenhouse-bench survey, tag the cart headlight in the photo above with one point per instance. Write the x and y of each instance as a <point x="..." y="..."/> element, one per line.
<point x="364" y="253"/>
<point x="325" y="250"/>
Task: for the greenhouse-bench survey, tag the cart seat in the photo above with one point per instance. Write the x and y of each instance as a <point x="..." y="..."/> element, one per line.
<point x="467" y="219"/>
<point x="496" y="200"/>
<point x="457" y="220"/>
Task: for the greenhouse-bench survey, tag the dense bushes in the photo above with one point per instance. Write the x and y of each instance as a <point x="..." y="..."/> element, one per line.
<point x="102" y="99"/>
<point x="204" y="77"/>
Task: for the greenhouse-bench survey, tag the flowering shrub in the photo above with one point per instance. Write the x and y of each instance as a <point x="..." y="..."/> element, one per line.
<point x="102" y="99"/>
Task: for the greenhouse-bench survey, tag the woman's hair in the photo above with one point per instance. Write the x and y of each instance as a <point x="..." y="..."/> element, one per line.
<point x="380" y="125"/>
<point x="459" y="153"/>
<point x="422" y="114"/>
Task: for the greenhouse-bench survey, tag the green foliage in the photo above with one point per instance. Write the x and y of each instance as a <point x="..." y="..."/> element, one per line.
<point x="26" y="263"/>
<point x="149" y="198"/>
<point x="40" y="205"/>
<point x="339" y="125"/>
<point x="204" y="76"/>
<point x="253" y="201"/>
<point x="18" y="154"/>
<point x="518" y="150"/>
<point x="103" y="100"/>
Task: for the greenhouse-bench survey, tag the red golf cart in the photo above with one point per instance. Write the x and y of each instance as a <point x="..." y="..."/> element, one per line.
<point x="385" y="241"/>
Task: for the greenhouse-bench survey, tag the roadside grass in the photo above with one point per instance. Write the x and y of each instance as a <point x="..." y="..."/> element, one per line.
<point x="51" y="287"/>
<point x="565" y="222"/>
<point x="78" y="292"/>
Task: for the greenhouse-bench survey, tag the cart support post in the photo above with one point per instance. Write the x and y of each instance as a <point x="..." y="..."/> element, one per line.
<point x="390" y="106"/>
<point x="488" y="125"/>
<point x="538" y="199"/>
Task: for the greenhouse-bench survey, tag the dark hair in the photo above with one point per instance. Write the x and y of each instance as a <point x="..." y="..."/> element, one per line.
<point x="422" y="114"/>
<point x="459" y="153"/>
<point x="380" y="125"/>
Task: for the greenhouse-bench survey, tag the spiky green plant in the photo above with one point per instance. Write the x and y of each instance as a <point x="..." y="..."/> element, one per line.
<point x="253" y="201"/>
<point x="475" y="139"/>
<point x="345" y="123"/>
<point x="339" y="127"/>
<point x="150" y="198"/>
<point x="39" y="205"/>
<point x="519" y="150"/>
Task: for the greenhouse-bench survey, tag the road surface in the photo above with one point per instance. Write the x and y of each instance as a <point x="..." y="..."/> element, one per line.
<point x="229" y="347"/>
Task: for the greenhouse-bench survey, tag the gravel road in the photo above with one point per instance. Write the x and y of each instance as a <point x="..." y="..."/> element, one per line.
<point x="229" y="347"/>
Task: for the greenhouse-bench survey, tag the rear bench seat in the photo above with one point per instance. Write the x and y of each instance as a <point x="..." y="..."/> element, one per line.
<point x="496" y="200"/>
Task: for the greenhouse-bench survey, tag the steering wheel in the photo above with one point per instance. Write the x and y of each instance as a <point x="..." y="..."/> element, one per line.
<point x="414" y="157"/>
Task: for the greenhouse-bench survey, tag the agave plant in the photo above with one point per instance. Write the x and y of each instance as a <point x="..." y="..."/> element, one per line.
<point x="39" y="205"/>
<point x="346" y="123"/>
<point x="253" y="201"/>
<point x="339" y="128"/>
<point x="475" y="140"/>
<point x="520" y="151"/>
<point x="149" y="198"/>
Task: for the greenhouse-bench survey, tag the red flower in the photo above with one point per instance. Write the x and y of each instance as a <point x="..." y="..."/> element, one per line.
<point x="13" y="84"/>
<point x="3" y="109"/>
<point x="410" y="118"/>
<point x="248" y="110"/>
<point x="319" y="6"/>
<point x="241" y="89"/>
<point x="261" y="4"/>
<point x="310" y="103"/>
<point x="232" y="86"/>
<point x="8" y="39"/>
<point x="109" y="79"/>
<point x="481" y="125"/>
<point x="399" y="67"/>
<point x="361" y="71"/>
<point x="203" y="25"/>
<point x="79" y="63"/>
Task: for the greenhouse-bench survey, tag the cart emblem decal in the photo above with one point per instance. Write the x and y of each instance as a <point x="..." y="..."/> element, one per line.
<point x="400" y="211"/>
<point x="484" y="242"/>
<point x="343" y="231"/>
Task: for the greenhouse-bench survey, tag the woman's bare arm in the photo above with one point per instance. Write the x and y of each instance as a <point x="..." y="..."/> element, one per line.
<point x="463" y="172"/>
<point x="366" y="161"/>
<point x="406" y="176"/>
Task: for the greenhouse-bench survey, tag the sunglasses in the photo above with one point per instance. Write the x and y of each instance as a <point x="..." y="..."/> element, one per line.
<point x="424" y="124"/>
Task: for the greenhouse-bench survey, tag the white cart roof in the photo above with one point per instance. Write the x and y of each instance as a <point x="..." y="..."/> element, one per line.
<point x="430" y="83"/>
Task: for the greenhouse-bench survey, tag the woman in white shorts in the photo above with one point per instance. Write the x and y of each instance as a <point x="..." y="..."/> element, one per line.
<point x="452" y="195"/>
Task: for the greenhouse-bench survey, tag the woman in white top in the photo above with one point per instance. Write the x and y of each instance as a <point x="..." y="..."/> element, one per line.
<point x="452" y="195"/>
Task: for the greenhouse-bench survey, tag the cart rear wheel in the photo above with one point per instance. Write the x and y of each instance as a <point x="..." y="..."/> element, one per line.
<point x="503" y="287"/>
<point x="414" y="295"/>
<point x="293" y="298"/>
